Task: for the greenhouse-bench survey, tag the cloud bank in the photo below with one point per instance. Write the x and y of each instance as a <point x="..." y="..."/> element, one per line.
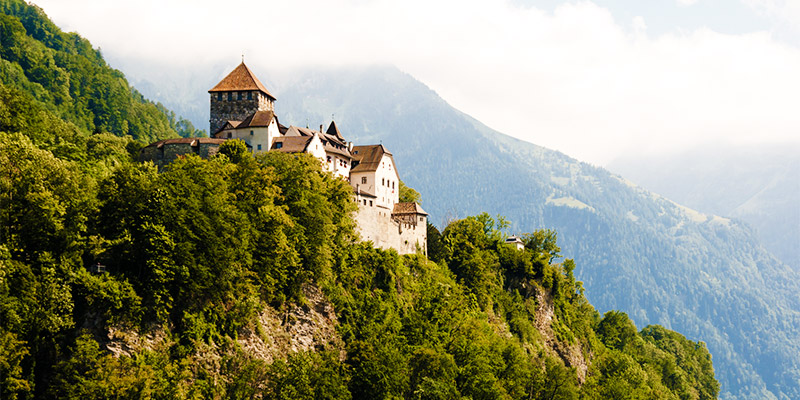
<point x="574" y="79"/>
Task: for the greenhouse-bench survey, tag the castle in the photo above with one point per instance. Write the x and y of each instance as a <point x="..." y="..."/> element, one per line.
<point x="243" y="108"/>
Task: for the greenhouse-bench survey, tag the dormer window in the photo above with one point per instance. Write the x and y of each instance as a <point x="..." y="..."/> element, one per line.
<point x="278" y="145"/>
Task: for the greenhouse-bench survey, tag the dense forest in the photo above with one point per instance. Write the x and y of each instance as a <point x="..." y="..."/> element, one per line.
<point x="196" y="255"/>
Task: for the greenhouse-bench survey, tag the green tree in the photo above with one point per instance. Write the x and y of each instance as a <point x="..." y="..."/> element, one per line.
<point x="408" y="194"/>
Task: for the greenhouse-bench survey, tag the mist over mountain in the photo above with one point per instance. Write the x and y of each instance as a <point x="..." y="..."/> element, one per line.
<point x="703" y="275"/>
<point x="757" y="184"/>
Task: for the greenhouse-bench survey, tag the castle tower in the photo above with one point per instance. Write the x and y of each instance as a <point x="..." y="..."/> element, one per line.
<point x="236" y="97"/>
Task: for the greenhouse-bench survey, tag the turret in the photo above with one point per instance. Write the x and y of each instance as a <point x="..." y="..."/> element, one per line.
<point x="237" y="96"/>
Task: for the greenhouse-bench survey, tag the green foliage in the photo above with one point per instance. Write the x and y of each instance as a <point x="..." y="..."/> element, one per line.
<point x="71" y="80"/>
<point x="408" y="194"/>
<point x="235" y="150"/>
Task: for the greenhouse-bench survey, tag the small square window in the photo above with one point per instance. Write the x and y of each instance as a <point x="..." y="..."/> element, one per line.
<point x="230" y="135"/>
<point x="278" y="145"/>
<point x="251" y="133"/>
<point x="363" y="179"/>
<point x="259" y="147"/>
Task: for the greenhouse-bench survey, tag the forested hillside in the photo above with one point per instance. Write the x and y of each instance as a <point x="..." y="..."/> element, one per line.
<point x="211" y="265"/>
<point x="70" y="79"/>
<point x="663" y="263"/>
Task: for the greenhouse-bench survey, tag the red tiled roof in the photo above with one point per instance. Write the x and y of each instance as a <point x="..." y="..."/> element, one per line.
<point x="231" y="124"/>
<point x="331" y="143"/>
<point x="241" y="78"/>
<point x="291" y="144"/>
<point x="408" y="208"/>
<point x="369" y="157"/>
<point x="258" y="119"/>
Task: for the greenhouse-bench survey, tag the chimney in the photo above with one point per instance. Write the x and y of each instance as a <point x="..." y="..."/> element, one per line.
<point x="320" y="128"/>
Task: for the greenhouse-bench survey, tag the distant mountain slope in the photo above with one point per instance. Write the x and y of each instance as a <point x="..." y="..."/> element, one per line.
<point x="636" y="251"/>
<point x="759" y="184"/>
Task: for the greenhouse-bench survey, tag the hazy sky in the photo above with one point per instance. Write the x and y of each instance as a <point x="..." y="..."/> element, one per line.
<point x="591" y="79"/>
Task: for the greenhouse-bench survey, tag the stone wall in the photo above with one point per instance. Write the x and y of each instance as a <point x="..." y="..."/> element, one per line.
<point x="406" y="236"/>
<point x="237" y="110"/>
<point x="166" y="151"/>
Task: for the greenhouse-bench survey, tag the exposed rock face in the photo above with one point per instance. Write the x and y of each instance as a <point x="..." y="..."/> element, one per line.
<point x="572" y="354"/>
<point x="299" y="327"/>
<point x="277" y="333"/>
<point x="124" y="342"/>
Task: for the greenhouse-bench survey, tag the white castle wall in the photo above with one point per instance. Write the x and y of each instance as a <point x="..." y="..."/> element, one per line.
<point x="376" y="224"/>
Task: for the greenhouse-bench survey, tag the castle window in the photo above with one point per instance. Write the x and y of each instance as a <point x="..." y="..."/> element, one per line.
<point x="370" y="203"/>
<point x="251" y="133"/>
<point x="249" y="95"/>
<point x="363" y="179"/>
<point x="219" y="96"/>
<point x="239" y="96"/>
<point x="259" y="147"/>
<point x="392" y="184"/>
<point x="278" y="145"/>
<point x="230" y="135"/>
<point x="329" y="158"/>
<point x="230" y="96"/>
<point x="383" y="182"/>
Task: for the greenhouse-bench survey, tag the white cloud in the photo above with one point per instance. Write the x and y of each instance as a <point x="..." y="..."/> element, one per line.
<point x="573" y="79"/>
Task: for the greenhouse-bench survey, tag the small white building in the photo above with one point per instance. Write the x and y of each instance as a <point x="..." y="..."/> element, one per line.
<point x="516" y="242"/>
<point x="374" y="176"/>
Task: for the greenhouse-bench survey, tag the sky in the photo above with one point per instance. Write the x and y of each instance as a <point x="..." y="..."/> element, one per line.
<point x="595" y="80"/>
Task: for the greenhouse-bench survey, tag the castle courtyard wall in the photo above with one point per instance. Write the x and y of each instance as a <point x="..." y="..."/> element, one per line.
<point x="376" y="224"/>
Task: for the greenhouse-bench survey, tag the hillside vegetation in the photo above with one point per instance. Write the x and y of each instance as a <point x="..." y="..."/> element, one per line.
<point x="705" y="276"/>
<point x="197" y="258"/>
<point x="70" y="79"/>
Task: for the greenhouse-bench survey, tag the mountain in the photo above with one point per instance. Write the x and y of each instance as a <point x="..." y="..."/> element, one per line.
<point x="757" y="184"/>
<point x="241" y="276"/>
<point x="661" y="262"/>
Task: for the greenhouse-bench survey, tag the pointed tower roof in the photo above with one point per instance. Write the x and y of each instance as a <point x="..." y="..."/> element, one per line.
<point x="241" y="78"/>
<point x="333" y="130"/>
